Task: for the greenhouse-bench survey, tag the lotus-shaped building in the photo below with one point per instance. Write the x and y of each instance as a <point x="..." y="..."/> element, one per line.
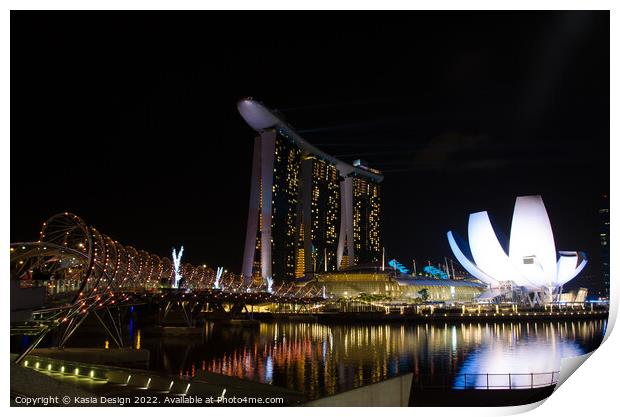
<point x="532" y="261"/>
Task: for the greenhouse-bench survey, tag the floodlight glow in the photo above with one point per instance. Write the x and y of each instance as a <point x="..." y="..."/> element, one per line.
<point x="269" y="282"/>
<point x="176" y="259"/>
<point x="218" y="277"/>
<point x="532" y="261"/>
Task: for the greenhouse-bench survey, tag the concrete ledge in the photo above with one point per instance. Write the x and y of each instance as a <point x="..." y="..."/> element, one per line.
<point x="394" y="392"/>
<point x="100" y="356"/>
<point x="58" y="375"/>
<point x="29" y="383"/>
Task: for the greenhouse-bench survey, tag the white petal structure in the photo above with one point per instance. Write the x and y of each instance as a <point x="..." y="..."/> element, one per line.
<point x="532" y="260"/>
<point x="532" y="248"/>
<point x="487" y="251"/>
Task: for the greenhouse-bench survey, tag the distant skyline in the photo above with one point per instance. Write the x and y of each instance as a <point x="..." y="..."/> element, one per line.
<point x="129" y="119"/>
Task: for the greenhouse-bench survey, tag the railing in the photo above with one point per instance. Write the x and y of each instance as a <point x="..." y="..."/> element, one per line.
<point x="486" y="381"/>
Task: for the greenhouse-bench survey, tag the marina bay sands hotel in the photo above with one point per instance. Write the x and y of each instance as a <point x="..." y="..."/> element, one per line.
<point x="309" y="211"/>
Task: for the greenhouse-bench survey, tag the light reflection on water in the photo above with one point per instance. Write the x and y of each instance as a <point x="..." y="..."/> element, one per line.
<point x="320" y="359"/>
<point x="524" y="350"/>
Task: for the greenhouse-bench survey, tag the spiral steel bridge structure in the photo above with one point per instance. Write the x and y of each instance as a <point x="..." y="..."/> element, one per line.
<point x="80" y="271"/>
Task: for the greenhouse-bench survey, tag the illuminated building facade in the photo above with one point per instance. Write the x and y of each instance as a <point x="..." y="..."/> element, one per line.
<point x="319" y="215"/>
<point x="366" y="210"/>
<point x="604" y="238"/>
<point x="399" y="287"/>
<point x="308" y="211"/>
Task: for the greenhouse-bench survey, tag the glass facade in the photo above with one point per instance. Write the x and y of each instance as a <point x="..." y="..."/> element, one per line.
<point x="366" y="221"/>
<point x="325" y="210"/>
<point x="306" y="211"/>
<point x="285" y="197"/>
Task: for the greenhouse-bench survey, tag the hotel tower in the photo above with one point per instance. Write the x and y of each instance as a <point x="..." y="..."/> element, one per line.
<point x="309" y="212"/>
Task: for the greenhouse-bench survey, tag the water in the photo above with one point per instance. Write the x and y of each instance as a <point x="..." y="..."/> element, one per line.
<point x="321" y="359"/>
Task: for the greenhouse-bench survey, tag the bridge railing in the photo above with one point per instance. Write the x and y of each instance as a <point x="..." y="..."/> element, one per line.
<point x="486" y="380"/>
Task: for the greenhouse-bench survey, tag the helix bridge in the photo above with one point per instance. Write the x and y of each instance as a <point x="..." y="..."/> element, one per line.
<point x="73" y="271"/>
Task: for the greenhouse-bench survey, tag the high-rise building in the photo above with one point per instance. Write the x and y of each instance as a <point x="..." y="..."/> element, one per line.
<point x="308" y="210"/>
<point x="604" y="238"/>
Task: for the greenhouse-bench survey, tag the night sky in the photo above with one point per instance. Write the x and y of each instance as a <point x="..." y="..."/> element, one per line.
<point x="129" y="119"/>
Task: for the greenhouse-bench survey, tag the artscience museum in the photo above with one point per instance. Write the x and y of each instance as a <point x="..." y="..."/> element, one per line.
<point x="531" y="268"/>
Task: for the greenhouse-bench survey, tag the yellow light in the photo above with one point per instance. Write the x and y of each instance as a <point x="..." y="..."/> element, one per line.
<point x="36" y="365"/>
<point x="77" y="371"/>
<point x="26" y="363"/>
<point x="62" y="369"/>
<point x="49" y="367"/>
<point x="92" y="374"/>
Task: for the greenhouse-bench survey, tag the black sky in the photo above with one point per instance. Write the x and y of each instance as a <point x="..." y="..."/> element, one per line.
<point x="129" y="119"/>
